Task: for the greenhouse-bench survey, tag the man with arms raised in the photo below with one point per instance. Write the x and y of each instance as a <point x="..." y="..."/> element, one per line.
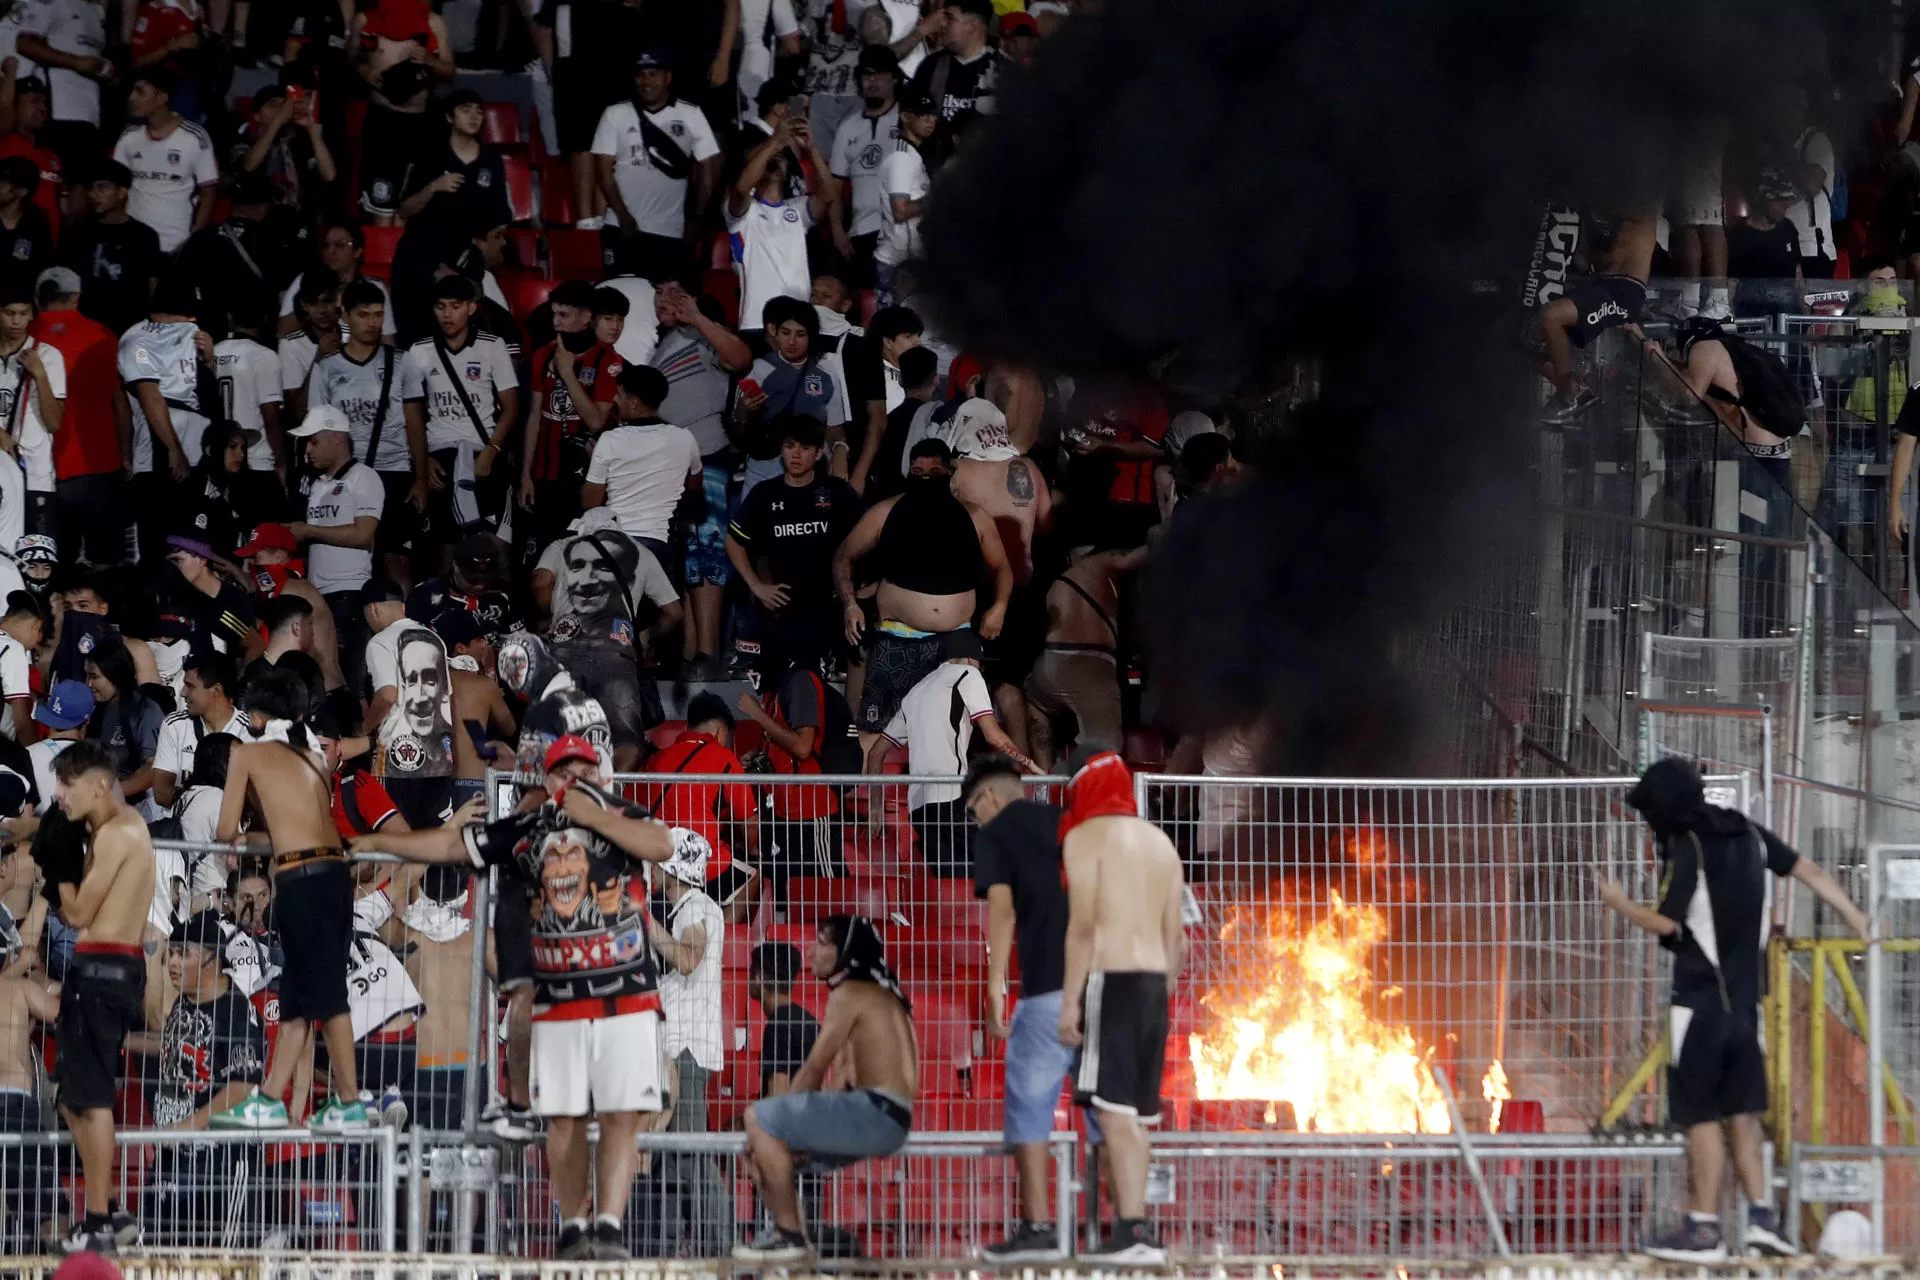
<point x="1124" y="949"/>
<point x="293" y="793"/>
<point x="868" y="1116"/>
<point x="105" y="890"/>
<point x="596" y="1013"/>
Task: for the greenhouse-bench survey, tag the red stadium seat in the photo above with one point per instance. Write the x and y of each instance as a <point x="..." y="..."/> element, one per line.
<point x="356" y="117"/>
<point x="573" y="253"/>
<point x="725" y="288"/>
<point x="719" y="252"/>
<point x="519" y="184"/>
<point x="523" y="248"/>
<point x="381" y="243"/>
<point x="526" y="291"/>
<point x="869" y="303"/>
<point x="556" y="194"/>
<point x="502" y="122"/>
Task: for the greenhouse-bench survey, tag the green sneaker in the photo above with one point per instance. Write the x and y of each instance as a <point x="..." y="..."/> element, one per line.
<point x="255" y="1111"/>
<point x="335" y="1116"/>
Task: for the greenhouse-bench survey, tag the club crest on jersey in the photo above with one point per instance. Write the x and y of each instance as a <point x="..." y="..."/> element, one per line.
<point x="870" y="156"/>
<point x="473" y="371"/>
<point x="339" y="489"/>
<point x="173" y="157"/>
<point x="484" y="178"/>
<point x="677" y="129"/>
<point x="815" y="385"/>
<point x="791" y="215"/>
<point x="406" y="753"/>
<point x="23" y="249"/>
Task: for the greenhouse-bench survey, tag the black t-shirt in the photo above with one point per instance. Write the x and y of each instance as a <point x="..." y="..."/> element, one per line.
<point x="795" y="529"/>
<point x="1715" y="887"/>
<point x="203" y="1049"/>
<point x="786" y="1042"/>
<point x="241" y="265"/>
<point x="220" y="622"/>
<point x="1020" y="848"/>
<point x="481" y="200"/>
<point x="116" y="265"/>
<point x="1753" y="254"/>
<point x="27" y="248"/>
<point x="960" y="90"/>
<point x="886" y="478"/>
<point x="435" y="596"/>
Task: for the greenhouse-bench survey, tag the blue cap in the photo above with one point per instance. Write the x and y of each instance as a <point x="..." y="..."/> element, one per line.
<point x="69" y="706"/>
<point x="654" y="58"/>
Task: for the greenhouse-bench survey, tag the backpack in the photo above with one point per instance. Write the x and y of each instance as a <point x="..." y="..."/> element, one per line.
<point x="1768" y="391"/>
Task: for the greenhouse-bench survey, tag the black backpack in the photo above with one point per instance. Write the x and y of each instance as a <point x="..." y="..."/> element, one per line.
<point x="1768" y="391"/>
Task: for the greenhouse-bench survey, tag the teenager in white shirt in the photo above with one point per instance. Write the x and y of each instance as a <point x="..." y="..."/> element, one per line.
<point x="473" y="405"/>
<point x="33" y="398"/>
<point x="175" y="170"/>
<point x="251" y="396"/>
<point x="904" y="183"/>
<point x="647" y="155"/>
<point x="768" y="227"/>
<point x="642" y="467"/>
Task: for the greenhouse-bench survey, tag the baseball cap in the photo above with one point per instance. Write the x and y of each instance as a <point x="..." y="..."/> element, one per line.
<point x="29" y="84"/>
<point x="201" y="929"/>
<point x="268" y="537"/>
<point x="656" y="59"/>
<point x="113" y="171"/>
<point x="980" y="431"/>
<point x="21" y="174"/>
<point x="915" y="101"/>
<point x="981" y="9"/>
<point x="57" y="282"/>
<point x="878" y="57"/>
<point x="457" y="626"/>
<point x="13" y="794"/>
<point x="36" y="548"/>
<point x="479" y="557"/>
<point x="962" y="643"/>
<point x="324" y="417"/>
<point x="570" y="747"/>
<point x="68" y="706"/>
<point x="192" y="546"/>
<point x="1013" y="24"/>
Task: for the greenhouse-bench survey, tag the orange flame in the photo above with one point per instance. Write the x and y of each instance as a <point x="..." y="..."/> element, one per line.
<point x="1493" y="1087"/>
<point x="1302" y="1033"/>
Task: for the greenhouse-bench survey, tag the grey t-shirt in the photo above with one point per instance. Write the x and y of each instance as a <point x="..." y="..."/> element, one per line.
<point x="696" y="386"/>
<point x="354" y="388"/>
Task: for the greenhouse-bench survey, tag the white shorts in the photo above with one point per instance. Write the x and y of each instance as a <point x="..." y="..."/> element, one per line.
<point x="1699" y="202"/>
<point x="590" y="1065"/>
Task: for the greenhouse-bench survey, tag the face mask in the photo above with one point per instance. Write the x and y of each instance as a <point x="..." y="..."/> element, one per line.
<point x="578" y="343"/>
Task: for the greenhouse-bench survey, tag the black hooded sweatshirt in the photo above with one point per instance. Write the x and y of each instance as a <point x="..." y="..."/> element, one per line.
<point x="1714" y="884"/>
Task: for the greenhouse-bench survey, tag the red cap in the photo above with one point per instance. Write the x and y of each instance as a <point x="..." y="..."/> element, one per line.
<point x="964" y="369"/>
<point x="1012" y="24"/>
<point x="570" y="747"/>
<point x="275" y="537"/>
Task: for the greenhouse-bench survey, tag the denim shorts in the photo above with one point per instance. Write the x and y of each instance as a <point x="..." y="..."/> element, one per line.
<point x="1038" y="1066"/>
<point x="833" y="1129"/>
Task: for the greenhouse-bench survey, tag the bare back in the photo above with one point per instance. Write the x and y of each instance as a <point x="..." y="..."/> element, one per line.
<point x="16" y="1032"/>
<point x="881" y="1046"/>
<point x="1136" y="875"/>
<point x="442" y="971"/>
<point x="122" y="850"/>
<point x="1072" y="618"/>
<point x="294" y="796"/>
<point x="476" y="700"/>
<point x="1013" y="493"/>
<point x="325" y="638"/>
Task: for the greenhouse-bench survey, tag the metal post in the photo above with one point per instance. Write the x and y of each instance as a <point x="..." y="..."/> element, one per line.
<point x="389" y="1185"/>
<point x="1472" y="1159"/>
<point x="1817" y="1050"/>
<point x="1876" y="1052"/>
<point x="483" y="887"/>
<point x="416" y="1198"/>
<point x="1063" y="1194"/>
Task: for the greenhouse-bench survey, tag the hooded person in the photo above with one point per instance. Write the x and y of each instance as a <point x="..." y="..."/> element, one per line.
<point x="1715" y="901"/>
<point x="37" y="557"/>
<point x="1101" y="787"/>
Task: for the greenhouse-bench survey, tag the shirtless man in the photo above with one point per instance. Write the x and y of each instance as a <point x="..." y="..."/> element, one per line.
<point x="272" y="559"/>
<point x="1077" y="670"/>
<point x="990" y="475"/>
<point x="438" y="922"/>
<point x="25" y="999"/>
<point x="931" y="550"/>
<point x="101" y="999"/>
<point x="1707" y="369"/>
<point x="1616" y="294"/>
<point x="293" y="792"/>
<point x="1124" y="949"/>
<point x="868" y="1115"/>
<point x="479" y="708"/>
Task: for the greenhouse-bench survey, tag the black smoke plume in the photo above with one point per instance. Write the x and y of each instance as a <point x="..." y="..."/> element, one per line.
<point x="1207" y="188"/>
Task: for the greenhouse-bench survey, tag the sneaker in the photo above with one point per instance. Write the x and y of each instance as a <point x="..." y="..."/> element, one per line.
<point x="515" y="1124"/>
<point x="1763" y="1236"/>
<point x="1027" y="1242"/>
<point x="1691" y="1241"/>
<point x="84" y="1239"/>
<point x="255" y="1111"/>
<point x="774" y="1245"/>
<point x="335" y="1116"/>
<point x="1716" y="308"/>
<point x="607" y="1243"/>
<point x="393" y="1109"/>
<point x="1563" y="409"/>
<point x="126" y="1229"/>
<point x="575" y="1245"/>
<point x="1132" y="1243"/>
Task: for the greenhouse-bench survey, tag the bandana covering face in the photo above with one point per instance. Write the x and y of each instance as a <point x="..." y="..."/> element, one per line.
<point x="863" y="959"/>
<point x="1102" y="788"/>
<point x="272" y="579"/>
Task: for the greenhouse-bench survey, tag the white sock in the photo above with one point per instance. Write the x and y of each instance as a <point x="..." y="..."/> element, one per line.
<point x="1719" y="296"/>
<point x="1704" y="1217"/>
<point x="1690" y="293"/>
<point x="572" y="1223"/>
<point x="607" y="1219"/>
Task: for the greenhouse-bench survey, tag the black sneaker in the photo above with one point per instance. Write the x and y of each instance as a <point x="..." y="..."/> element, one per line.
<point x="607" y="1243"/>
<point x="1763" y="1237"/>
<point x="1691" y="1241"/>
<point x="126" y="1229"/>
<point x="1132" y="1243"/>
<point x="516" y="1124"/>
<point x="1027" y="1242"/>
<point x="85" y="1239"/>
<point x="775" y="1245"/>
<point x="574" y="1245"/>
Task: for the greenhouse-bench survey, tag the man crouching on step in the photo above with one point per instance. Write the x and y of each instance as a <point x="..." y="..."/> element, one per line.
<point x="596" y="1002"/>
<point x="870" y="1117"/>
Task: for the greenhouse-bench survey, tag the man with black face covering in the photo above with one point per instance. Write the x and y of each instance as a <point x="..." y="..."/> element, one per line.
<point x="1715" y="897"/>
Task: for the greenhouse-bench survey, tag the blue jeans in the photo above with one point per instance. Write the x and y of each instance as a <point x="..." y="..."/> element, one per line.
<point x="1038" y="1066"/>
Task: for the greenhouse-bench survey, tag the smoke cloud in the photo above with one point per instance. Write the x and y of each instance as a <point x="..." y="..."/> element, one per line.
<point x="1207" y="187"/>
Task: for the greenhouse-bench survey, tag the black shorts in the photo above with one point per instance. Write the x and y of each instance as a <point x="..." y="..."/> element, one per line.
<point x="392" y="142"/>
<point x="945" y="837"/>
<point x="894" y="665"/>
<point x="512" y="935"/>
<point x="653" y="258"/>
<point x="1718" y="1068"/>
<point x="803" y="847"/>
<point x="100" y="1002"/>
<point x="313" y="906"/>
<point x="1124" y="1016"/>
<point x="1603" y="303"/>
<point x="398" y="518"/>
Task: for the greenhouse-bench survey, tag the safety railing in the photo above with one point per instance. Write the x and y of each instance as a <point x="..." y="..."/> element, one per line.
<point x="1879" y="1187"/>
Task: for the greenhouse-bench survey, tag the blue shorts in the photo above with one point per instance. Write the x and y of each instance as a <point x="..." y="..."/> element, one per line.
<point x="707" y="563"/>
<point x="835" y="1129"/>
<point x="1038" y="1067"/>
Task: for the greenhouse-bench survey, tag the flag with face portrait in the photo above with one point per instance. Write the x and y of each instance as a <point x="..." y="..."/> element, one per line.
<point x="415" y="739"/>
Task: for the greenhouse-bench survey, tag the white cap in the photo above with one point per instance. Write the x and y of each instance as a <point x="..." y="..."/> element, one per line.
<point x="1185" y="426"/>
<point x="980" y="432"/>
<point x="689" y="861"/>
<point x="320" y="418"/>
<point x="593" y="520"/>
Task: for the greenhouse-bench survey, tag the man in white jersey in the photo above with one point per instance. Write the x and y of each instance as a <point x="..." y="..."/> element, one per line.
<point x="646" y="153"/>
<point x="862" y="144"/>
<point x="160" y="367"/>
<point x="767" y="225"/>
<point x="904" y="185"/>
<point x="317" y="306"/>
<point x="174" y="166"/>
<point x="473" y="405"/>
<point x="250" y="396"/>
<point x="344" y="502"/>
<point x="380" y="391"/>
<point x="33" y="398"/>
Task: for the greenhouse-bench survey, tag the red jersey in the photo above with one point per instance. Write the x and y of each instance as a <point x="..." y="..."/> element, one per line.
<point x="699" y="806"/>
<point x="48" y="196"/>
<point x="565" y="447"/>
<point x="1115" y="415"/>
<point x="88" y="442"/>
<point x="158" y="25"/>
<point x="361" y="806"/>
